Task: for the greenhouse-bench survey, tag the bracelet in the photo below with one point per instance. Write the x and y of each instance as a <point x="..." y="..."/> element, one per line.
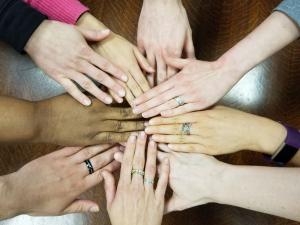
<point x="289" y="148"/>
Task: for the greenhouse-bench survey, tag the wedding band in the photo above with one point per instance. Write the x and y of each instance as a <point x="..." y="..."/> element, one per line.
<point x="89" y="166"/>
<point x="179" y="101"/>
<point x="186" y="128"/>
<point x="148" y="181"/>
<point x="137" y="172"/>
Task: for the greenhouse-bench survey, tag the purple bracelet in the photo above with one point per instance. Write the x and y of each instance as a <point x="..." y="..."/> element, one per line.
<point x="293" y="137"/>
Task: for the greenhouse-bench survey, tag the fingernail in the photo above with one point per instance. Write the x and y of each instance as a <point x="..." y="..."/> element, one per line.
<point x="124" y="78"/>
<point x="108" y="100"/>
<point x="106" y="31"/>
<point x="132" y="138"/>
<point x="147" y="130"/>
<point x="120" y="100"/>
<point x="121" y="93"/>
<point x="151" y="122"/>
<point x="94" y="209"/>
<point x="146" y="124"/>
<point x="87" y="102"/>
<point x="134" y="111"/>
<point x="145" y="115"/>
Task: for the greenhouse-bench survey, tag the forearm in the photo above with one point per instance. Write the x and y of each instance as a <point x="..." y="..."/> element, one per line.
<point x="17" y="121"/>
<point x="264" y="189"/>
<point x="276" y="32"/>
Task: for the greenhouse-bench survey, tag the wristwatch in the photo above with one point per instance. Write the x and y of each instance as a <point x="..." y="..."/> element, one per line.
<point x="289" y="148"/>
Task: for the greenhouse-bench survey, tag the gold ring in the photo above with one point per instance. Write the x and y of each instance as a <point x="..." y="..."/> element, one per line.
<point x="137" y="172"/>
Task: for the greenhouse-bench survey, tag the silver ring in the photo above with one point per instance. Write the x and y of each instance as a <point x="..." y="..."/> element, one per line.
<point x="148" y="181"/>
<point x="137" y="172"/>
<point x="186" y="128"/>
<point x="179" y="101"/>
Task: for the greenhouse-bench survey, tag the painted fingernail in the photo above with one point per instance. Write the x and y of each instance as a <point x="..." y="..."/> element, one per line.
<point x="94" y="209"/>
<point x="121" y="93"/>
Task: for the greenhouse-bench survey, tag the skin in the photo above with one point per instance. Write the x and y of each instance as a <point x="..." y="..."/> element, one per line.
<point x="264" y="189"/>
<point x="56" y="182"/>
<point x="123" y="54"/>
<point x="164" y="27"/>
<point x="197" y="78"/>
<point x="146" y="203"/>
<point x="62" y="51"/>
<point x="220" y="130"/>
<point x="61" y="120"/>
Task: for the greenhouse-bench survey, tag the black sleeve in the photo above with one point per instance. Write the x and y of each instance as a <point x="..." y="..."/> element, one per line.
<point x="18" y="21"/>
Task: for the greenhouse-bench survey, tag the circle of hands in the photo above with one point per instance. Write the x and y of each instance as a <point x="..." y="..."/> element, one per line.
<point x="160" y="141"/>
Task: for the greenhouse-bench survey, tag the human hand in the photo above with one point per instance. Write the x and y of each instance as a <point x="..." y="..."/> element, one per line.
<point x="52" y="184"/>
<point x="198" y="85"/>
<point x="126" y="56"/>
<point x="61" y="120"/>
<point x="146" y="204"/>
<point x="62" y="51"/>
<point x="194" y="179"/>
<point x="164" y="27"/>
<point x="221" y="130"/>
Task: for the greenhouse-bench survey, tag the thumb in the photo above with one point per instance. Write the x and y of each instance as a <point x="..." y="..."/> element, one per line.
<point x="94" y="35"/>
<point x="81" y="206"/>
<point x="109" y="187"/>
<point x="175" y="62"/>
<point x="173" y="204"/>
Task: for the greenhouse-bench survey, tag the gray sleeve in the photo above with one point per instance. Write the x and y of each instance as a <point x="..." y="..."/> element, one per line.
<point x="291" y="8"/>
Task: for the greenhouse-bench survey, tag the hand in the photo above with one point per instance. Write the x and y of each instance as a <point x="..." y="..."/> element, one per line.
<point x="62" y="51"/>
<point x="129" y="59"/>
<point x="199" y="85"/>
<point x="194" y="179"/>
<point x="220" y="130"/>
<point x="164" y="27"/>
<point x="61" y="120"/>
<point x="146" y="204"/>
<point x="51" y="185"/>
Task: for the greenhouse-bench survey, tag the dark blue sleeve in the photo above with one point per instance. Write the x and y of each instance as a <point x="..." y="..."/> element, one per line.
<point x="18" y="21"/>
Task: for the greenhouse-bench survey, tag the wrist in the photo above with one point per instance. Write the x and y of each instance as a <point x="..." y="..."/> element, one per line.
<point x="266" y="135"/>
<point x="8" y="204"/>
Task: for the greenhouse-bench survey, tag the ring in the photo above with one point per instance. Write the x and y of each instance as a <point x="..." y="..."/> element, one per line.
<point x="148" y="181"/>
<point x="186" y="128"/>
<point x="179" y="101"/>
<point x="89" y="166"/>
<point x="137" y="172"/>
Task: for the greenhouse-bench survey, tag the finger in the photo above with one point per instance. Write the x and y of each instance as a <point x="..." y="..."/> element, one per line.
<point x="176" y="62"/>
<point x="144" y="64"/>
<point x="139" y="159"/>
<point x="97" y="177"/>
<point x="190" y="107"/>
<point x="161" y="156"/>
<point x="163" y="180"/>
<point x="152" y="107"/>
<point x="74" y="91"/>
<point x="122" y="126"/>
<point x="176" y="139"/>
<point x="101" y="77"/>
<point x="90" y="86"/>
<point x="117" y="113"/>
<point x="154" y="92"/>
<point x="189" y="45"/>
<point x="101" y="160"/>
<point x="125" y="175"/>
<point x="128" y="95"/>
<point x="89" y="152"/>
<point x="67" y="151"/>
<point x="115" y="96"/>
<point x="190" y="148"/>
<point x="111" y="137"/>
<point x="81" y="206"/>
<point x="151" y="59"/>
<point x="150" y="165"/>
<point x="171" y="104"/>
<point x="109" y="187"/>
<point x="133" y="85"/>
<point x="119" y="156"/>
<point x="92" y="34"/>
<point x="174" y="129"/>
<point x="140" y="78"/>
<point x="161" y="69"/>
<point x="164" y="148"/>
<point x="186" y="118"/>
<point x="171" y="71"/>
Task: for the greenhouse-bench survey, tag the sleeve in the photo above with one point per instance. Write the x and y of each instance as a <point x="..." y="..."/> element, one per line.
<point x="291" y="8"/>
<point x="18" y="21"/>
<point x="67" y="11"/>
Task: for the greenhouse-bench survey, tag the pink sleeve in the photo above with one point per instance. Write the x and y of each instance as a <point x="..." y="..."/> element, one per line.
<point x="67" y="11"/>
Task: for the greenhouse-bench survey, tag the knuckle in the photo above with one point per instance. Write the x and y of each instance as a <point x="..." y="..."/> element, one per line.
<point x="85" y="50"/>
<point x="118" y="125"/>
<point x="151" y="169"/>
<point x="86" y="84"/>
